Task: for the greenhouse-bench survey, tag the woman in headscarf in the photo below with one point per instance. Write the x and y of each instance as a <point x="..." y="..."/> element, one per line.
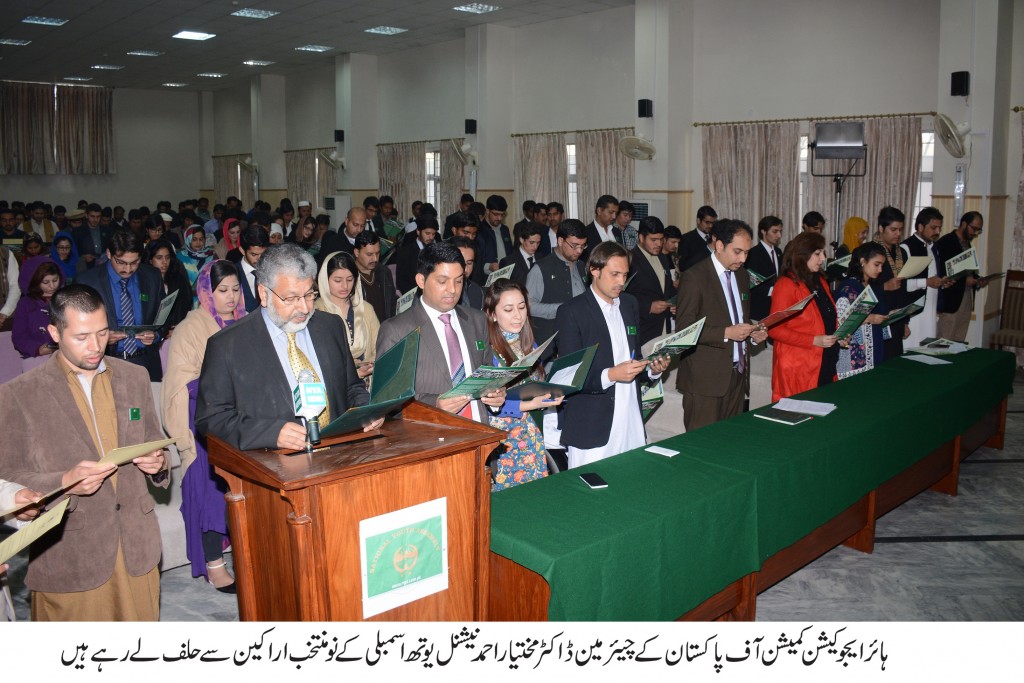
<point x="341" y="294"/>
<point x="855" y="232"/>
<point x="231" y="236"/>
<point x="195" y="254"/>
<point x="202" y="491"/>
<point x="64" y="253"/>
<point x="39" y="278"/>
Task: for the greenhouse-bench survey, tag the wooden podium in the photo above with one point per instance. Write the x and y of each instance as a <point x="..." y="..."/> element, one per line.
<point x="294" y="519"/>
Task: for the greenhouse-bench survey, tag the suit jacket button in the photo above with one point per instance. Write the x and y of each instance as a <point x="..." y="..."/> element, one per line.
<point x="117" y="507"/>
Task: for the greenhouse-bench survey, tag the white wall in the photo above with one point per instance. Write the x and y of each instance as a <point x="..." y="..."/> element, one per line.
<point x="310" y="107"/>
<point x="232" y="124"/>
<point x="421" y="93"/>
<point x="155" y="140"/>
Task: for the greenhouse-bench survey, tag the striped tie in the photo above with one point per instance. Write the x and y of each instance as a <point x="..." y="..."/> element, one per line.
<point x="131" y="345"/>
<point x="299" y="362"/>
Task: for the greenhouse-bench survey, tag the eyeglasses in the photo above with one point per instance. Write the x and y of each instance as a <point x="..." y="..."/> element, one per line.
<point x="125" y="264"/>
<point x="309" y="296"/>
<point x="576" y="247"/>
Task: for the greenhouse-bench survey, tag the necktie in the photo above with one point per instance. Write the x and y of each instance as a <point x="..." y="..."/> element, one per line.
<point x="131" y="345"/>
<point x="530" y="262"/>
<point x="455" y="362"/>
<point x="741" y="364"/>
<point x="707" y="238"/>
<point x="299" y="362"/>
<point x="775" y="264"/>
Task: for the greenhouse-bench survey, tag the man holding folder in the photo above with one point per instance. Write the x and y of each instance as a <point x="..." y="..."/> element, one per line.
<point x="61" y="418"/>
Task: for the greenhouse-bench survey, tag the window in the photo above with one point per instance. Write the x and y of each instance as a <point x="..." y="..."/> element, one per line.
<point x="572" y="206"/>
<point x="433" y="178"/>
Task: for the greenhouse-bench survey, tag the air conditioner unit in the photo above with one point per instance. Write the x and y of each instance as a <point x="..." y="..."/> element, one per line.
<point x="642" y="208"/>
<point x="337" y="207"/>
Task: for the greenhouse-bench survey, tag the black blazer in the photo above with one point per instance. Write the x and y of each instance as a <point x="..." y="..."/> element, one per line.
<point x="244" y="393"/>
<point x="251" y="298"/>
<point x="151" y="290"/>
<point x="647" y="286"/>
<point x="586" y="417"/>
<point x="594" y="239"/>
<point x="760" y="262"/>
<point x="472" y="296"/>
<point x="83" y="240"/>
<point x="332" y="242"/>
<point x="521" y="266"/>
<point x="693" y="248"/>
<point x="405" y="266"/>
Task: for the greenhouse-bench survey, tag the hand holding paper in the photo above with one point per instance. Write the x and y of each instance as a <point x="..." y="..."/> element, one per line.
<point x="17" y="542"/>
<point x="86" y="478"/>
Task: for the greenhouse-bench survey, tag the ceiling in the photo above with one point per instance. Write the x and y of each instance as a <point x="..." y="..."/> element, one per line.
<point x="103" y="31"/>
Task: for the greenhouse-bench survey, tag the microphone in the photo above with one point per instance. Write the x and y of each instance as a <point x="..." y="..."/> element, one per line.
<point x="310" y="400"/>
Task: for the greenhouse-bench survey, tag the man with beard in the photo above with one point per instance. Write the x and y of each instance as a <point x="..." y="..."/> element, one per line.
<point x="251" y="368"/>
<point x="957" y="300"/>
<point x="375" y="277"/>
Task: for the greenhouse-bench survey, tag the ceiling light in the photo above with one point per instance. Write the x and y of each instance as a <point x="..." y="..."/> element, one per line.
<point x="476" y="8"/>
<point x="250" y="13"/>
<point x="257" y="62"/>
<point x="175" y="85"/>
<point x="13" y="41"/>
<point x="194" y="35"/>
<point x="386" y="30"/>
<point x="44" y="21"/>
<point x="145" y="53"/>
<point x="107" y="67"/>
<point x="77" y="78"/>
<point x="211" y="74"/>
<point x="314" y="48"/>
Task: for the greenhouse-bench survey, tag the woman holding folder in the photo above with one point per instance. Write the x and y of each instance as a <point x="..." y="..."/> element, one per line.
<point x="866" y="348"/>
<point x="805" y="345"/>
<point x="510" y="337"/>
<point x="202" y="492"/>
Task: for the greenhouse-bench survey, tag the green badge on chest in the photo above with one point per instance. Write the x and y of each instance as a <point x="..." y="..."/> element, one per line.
<point x="480" y="346"/>
<point x="630" y="329"/>
<point x="744" y="296"/>
<point x="144" y="297"/>
<point x="134" y="414"/>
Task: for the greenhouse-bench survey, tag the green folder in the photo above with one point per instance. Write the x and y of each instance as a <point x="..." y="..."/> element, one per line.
<point x="566" y="377"/>
<point x="394" y="383"/>
<point x="860" y="309"/>
<point x="488" y="378"/>
<point x="651" y="397"/>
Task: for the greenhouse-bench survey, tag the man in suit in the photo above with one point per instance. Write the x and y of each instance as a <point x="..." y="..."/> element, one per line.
<point x="92" y="238"/>
<point x="372" y="218"/>
<point x="957" y="301"/>
<point x="604" y="419"/>
<point x="345" y="238"/>
<point x="254" y="240"/>
<point x="374" y="277"/>
<point x="714" y="377"/>
<point x="557" y="278"/>
<point x="528" y="213"/>
<point x="894" y="288"/>
<point x="251" y="368"/>
<point x="60" y="418"/>
<point x="494" y="238"/>
<point x="765" y="259"/>
<point x="472" y="293"/>
<point x="650" y="282"/>
<point x="924" y="289"/>
<point x="132" y="292"/>
<point x="408" y="254"/>
<point x="524" y="258"/>
<point x="602" y="228"/>
<point x="696" y="245"/>
<point x="465" y="201"/>
<point x="549" y="238"/>
<point x="453" y="338"/>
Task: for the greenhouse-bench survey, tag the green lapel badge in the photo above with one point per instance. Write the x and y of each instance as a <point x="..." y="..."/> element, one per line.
<point x="744" y="296"/>
<point x="630" y="329"/>
<point x="480" y="346"/>
<point x="144" y="297"/>
<point x="134" y="414"/>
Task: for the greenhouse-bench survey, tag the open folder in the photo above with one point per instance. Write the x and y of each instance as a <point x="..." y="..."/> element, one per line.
<point x="161" y="317"/>
<point x="488" y="378"/>
<point x="675" y="343"/>
<point x="859" y="311"/>
<point x="566" y="377"/>
<point x="394" y="383"/>
<point x="29" y="533"/>
<point x="785" y="314"/>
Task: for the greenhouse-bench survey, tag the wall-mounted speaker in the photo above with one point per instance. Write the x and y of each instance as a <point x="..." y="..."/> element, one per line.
<point x="645" y="108"/>
<point x="470" y="126"/>
<point x="339" y="136"/>
<point x="960" y="84"/>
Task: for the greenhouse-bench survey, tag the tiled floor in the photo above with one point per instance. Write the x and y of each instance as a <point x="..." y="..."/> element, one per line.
<point x="936" y="558"/>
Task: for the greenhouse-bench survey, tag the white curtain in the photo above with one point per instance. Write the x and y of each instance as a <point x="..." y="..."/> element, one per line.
<point x="892" y="172"/>
<point x="230" y="178"/>
<point x="309" y="176"/>
<point x="26" y="128"/>
<point x="402" y="170"/>
<point x="452" y="174"/>
<point x="540" y="170"/>
<point x="1017" y="259"/>
<point x="752" y="170"/>
<point x="84" y="130"/>
<point x="601" y="169"/>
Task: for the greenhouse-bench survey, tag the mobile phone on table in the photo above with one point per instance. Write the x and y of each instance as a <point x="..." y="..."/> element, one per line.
<point x="593" y="480"/>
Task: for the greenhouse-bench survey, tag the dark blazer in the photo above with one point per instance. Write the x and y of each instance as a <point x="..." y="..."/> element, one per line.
<point x="893" y="300"/>
<point x="151" y="289"/>
<point x="244" y="394"/>
<point x="332" y="242"/>
<point x="521" y="266"/>
<point x="586" y="417"/>
<point x="405" y="265"/>
<point x="83" y="240"/>
<point x="706" y="370"/>
<point x="472" y="296"/>
<point x="594" y="239"/>
<point x="951" y="297"/>
<point x="760" y="262"/>
<point x="44" y="436"/>
<point x="433" y="377"/>
<point x="693" y="248"/>
<point x="251" y="298"/>
<point x="488" y="251"/>
<point x="648" y="286"/>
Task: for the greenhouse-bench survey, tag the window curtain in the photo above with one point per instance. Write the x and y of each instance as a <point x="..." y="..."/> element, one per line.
<point x="540" y="169"/>
<point x="26" y="128"/>
<point x="84" y="130"/>
<point x="892" y="172"/>
<point x="402" y="171"/>
<point x="601" y="168"/>
<point x="452" y="176"/>
<point x="752" y="170"/>
<point x="309" y="176"/>
<point x="1017" y="258"/>
<point x="230" y="178"/>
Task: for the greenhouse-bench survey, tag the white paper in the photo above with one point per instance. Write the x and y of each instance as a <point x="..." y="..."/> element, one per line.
<point x="405" y="301"/>
<point x="928" y="360"/>
<point x="564" y="376"/>
<point x="914" y="266"/>
<point x="505" y="272"/>
<point x="809" y="407"/>
<point x="658" y="450"/>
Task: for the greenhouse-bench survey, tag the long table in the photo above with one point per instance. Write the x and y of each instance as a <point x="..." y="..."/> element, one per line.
<point x="745" y="503"/>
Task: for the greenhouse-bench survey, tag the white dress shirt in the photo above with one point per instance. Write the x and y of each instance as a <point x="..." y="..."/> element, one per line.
<point x="435" y="318"/>
<point x="720" y="271"/>
<point x="604" y="233"/>
<point x="250" y="276"/>
<point x="925" y="323"/>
